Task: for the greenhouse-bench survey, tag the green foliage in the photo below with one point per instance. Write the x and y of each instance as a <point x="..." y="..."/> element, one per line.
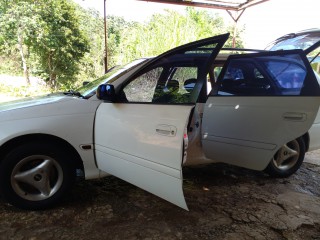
<point x="91" y="65"/>
<point x="60" y="43"/>
<point x="50" y="35"/>
<point x="169" y="30"/>
<point x="10" y="64"/>
<point x="117" y="29"/>
<point x="64" y="43"/>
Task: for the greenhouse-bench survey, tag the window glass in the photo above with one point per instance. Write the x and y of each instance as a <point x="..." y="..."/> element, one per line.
<point x="178" y="87"/>
<point x="112" y="75"/>
<point x="173" y="78"/>
<point x="142" y="88"/>
<point x="314" y="57"/>
<point x="288" y="76"/>
<point x="187" y="77"/>
<point x="217" y="71"/>
<point x="263" y="76"/>
<point x="184" y="73"/>
<point x="234" y="73"/>
<point x="316" y="67"/>
<point x="243" y="78"/>
<point x="173" y="86"/>
<point x="295" y="41"/>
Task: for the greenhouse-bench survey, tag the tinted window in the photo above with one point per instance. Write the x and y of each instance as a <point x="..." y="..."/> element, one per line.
<point x="276" y="75"/>
<point x="288" y="76"/>
<point x="243" y="78"/>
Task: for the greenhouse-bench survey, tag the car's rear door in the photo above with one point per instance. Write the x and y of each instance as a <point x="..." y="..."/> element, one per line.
<point x="140" y="137"/>
<point x="261" y="102"/>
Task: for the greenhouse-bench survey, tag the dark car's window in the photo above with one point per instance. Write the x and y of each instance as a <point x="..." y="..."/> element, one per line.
<point x="282" y="74"/>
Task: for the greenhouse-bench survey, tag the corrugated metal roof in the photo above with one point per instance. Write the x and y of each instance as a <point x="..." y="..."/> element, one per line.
<point x="234" y="5"/>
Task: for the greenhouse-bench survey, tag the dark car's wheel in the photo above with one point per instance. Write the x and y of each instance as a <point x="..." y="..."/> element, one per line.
<point x="288" y="159"/>
<point x="35" y="176"/>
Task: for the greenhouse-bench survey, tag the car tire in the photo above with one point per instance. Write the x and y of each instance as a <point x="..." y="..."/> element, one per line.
<point x="287" y="159"/>
<point x="36" y="176"/>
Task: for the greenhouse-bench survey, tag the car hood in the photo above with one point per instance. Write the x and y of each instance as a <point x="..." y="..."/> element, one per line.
<point x="31" y="101"/>
<point x="50" y="106"/>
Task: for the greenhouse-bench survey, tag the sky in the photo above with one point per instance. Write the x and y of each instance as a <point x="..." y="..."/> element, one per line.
<point x="263" y="23"/>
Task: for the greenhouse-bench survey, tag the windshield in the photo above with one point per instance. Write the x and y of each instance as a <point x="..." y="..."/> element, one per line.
<point x="112" y="75"/>
<point x="300" y="40"/>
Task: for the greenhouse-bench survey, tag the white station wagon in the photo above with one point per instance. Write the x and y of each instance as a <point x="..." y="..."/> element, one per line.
<point x="148" y="119"/>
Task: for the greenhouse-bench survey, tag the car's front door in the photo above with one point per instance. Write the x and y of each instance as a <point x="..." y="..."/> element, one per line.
<point x="140" y="137"/>
<point x="261" y="102"/>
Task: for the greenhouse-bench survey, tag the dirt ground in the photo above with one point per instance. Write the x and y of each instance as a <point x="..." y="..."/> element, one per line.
<point x="225" y="203"/>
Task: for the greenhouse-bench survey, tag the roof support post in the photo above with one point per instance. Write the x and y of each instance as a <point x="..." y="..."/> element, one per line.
<point x="235" y="15"/>
<point x="105" y="37"/>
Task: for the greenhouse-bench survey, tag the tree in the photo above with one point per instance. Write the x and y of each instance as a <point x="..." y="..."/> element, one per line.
<point x="92" y="63"/>
<point x="117" y="29"/>
<point x="92" y="25"/>
<point x="17" y="23"/>
<point x="46" y="33"/>
<point x="60" y="44"/>
<point x="169" y="30"/>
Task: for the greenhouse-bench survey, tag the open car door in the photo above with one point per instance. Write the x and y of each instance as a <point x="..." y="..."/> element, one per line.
<point x="139" y="137"/>
<point x="261" y="102"/>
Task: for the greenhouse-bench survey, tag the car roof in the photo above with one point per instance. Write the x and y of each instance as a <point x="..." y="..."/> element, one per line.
<point x="299" y="40"/>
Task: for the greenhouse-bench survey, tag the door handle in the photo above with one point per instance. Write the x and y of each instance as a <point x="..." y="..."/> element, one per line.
<point x="292" y="116"/>
<point x="166" y="130"/>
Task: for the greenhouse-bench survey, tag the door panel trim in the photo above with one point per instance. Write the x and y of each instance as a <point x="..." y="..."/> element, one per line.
<point x="240" y="142"/>
<point x="137" y="160"/>
<point x="237" y="155"/>
<point x="165" y="185"/>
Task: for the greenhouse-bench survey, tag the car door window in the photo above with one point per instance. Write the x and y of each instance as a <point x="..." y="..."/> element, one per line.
<point x="176" y="77"/>
<point x="275" y="74"/>
<point x="143" y="87"/>
<point x="168" y="84"/>
<point x="243" y="78"/>
<point x="217" y="71"/>
<point x="187" y="77"/>
<point x="314" y="58"/>
<point x="288" y="76"/>
<point x="171" y="82"/>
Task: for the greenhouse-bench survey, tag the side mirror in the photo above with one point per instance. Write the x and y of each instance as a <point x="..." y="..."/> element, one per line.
<point x="106" y="92"/>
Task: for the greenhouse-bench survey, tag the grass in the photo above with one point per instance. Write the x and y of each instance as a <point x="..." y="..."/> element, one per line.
<point x="15" y="87"/>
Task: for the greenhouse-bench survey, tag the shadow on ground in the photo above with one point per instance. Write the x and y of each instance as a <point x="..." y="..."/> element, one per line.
<point x="225" y="203"/>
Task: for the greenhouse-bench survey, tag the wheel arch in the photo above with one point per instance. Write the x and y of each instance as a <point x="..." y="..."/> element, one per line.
<point x="306" y="140"/>
<point x="12" y="143"/>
